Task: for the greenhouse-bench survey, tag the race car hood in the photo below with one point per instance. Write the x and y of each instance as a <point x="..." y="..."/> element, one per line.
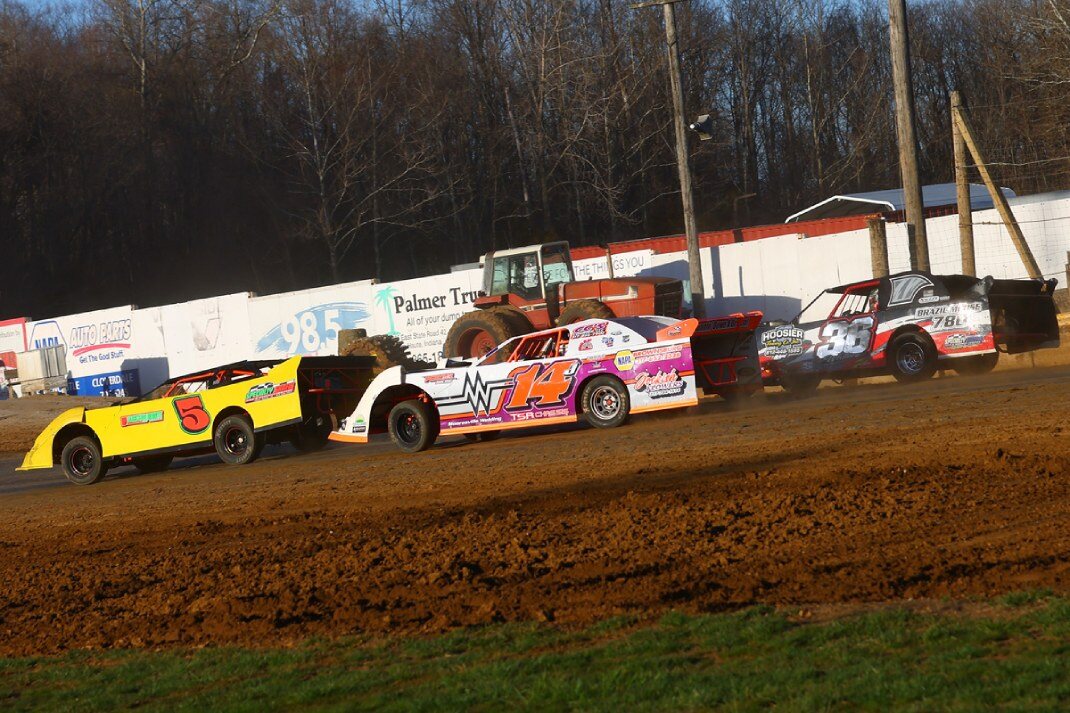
<point x="40" y="455"/>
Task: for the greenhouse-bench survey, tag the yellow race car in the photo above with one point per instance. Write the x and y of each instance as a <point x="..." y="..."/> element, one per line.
<point x="234" y="409"/>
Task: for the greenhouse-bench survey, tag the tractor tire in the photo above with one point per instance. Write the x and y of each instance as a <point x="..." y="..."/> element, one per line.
<point x="912" y="357"/>
<point x="152" y="464"/>
<point x="82" y="461"/>
<point x="475" y="333"/>
<point x="519" y="323"/>
<point x="413" y="426"/>
<point x="584" y="309"/>
<point x="388" y="350"/>
<point x="976" y="365"/>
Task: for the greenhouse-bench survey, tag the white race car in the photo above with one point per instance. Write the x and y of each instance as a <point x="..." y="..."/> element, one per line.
<point x="600" y="370"/>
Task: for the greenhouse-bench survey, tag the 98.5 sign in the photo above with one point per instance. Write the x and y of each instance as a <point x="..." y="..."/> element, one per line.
<point x="312" y="331"/>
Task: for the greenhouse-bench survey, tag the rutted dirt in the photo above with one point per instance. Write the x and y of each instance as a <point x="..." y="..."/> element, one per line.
<point x="957" y="487"/>
<point x="22" y="419"/>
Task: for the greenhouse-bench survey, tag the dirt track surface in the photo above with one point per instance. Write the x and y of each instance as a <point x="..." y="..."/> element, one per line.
<point x="955" y="487"/>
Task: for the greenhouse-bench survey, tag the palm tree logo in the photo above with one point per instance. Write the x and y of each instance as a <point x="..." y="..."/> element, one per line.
<point x="384" y="298"/>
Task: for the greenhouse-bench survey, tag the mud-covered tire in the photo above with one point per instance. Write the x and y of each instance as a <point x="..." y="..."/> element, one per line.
<point x="605" y="402"/>
<point x="388" y="351"/>
<point x="475" y="333"/>
<point x="82" y="461"/>
<point x="235" y="441"/>
<point x="413" y="426"/>
<point x="584" y="309"/>
<point x="152" y="464"/>
<point x="976" y="365"/>
<point x="912" y="358"/>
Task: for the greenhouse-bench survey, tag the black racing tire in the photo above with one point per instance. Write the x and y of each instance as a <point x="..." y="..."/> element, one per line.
<point x="82" y="461"/>
<point x="584" y="309"/>
<point x="310" y="437"/>
<point x="912" y="358"/>
<point x="235" y="441"/>
<point x="152" y="464"/>
<point x="975" y="365"/>
<point x="605" y="402"/>
<point x="474" y="334"/>
<point x="413" y="426"/>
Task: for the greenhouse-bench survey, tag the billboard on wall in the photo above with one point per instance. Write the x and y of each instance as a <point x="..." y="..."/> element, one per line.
<point x="99" y="348"/>
<point x="629" y="264"/>
<point x="12" y="340"/>
<point x="420" y="312"/>
<point x="202" y="334"/>
<point x="307" y="322"/>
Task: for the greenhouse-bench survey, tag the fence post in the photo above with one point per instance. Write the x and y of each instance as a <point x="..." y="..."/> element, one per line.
<point x="878" y="246"/>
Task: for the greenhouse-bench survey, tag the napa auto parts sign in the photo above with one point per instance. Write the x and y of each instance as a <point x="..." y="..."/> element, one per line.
<point x="98" y="349"/>
<point x="12" y="340"/>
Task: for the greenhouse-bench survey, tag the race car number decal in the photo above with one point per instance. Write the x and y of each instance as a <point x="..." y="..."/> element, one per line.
<point x="542" y="385"/>
<point x="845" y="338"/>
<point x="192" y="416"/>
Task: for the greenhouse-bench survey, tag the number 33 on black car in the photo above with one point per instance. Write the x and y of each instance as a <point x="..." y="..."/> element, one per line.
<point x="909" y="325"/>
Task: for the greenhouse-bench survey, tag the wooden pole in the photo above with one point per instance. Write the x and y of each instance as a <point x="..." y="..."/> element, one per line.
<point x="683" y="164"/>
<point x="962" y="191"/>
<point x="1004" y="208"/>
<point x="878" y="246"/>
<point x="908" y="141"/>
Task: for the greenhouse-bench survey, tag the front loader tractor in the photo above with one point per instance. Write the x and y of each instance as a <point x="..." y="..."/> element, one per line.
<point x="533" y="288"/>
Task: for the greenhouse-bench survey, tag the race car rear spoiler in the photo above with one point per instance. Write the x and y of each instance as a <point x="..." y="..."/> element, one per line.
<point x="694" y="327"/>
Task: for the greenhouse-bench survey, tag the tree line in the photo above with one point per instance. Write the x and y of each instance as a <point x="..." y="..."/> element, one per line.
<point x="160" y="150"/>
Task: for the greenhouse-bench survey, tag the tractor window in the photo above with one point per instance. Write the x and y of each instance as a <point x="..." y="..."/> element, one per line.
<point x="556" y="265"/>
<point x="517" y="274"/>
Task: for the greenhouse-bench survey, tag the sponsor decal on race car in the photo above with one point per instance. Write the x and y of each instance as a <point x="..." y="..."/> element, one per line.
<point x="787" y="340"/>
<point x="586" y="345"/>
<point x="624" y="361"/>
<point x="957" y="308"/>
<point x="590" y="330"/>
<point x="139" y="419"/>
<point x="269" y="390"/>
<point x="658" y="354"/>
<point x="444" y="378"/>
<point x="963" y="341"/>
<point x="661" y="385"/>
<point x="607" y="342"/>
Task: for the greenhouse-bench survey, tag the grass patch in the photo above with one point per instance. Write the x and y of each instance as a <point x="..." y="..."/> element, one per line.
<point x="747" y="660"/>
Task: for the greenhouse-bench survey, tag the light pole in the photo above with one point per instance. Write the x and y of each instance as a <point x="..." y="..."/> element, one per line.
<point x="698" y="297"/>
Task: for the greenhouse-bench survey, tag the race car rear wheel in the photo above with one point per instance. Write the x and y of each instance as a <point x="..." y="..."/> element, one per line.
<point x="976" y="365"/>
<point x="605" y="402"/>
<point x="912" y="358"/>
<point x="83" y="463"/>
<point x="152" y="464"/>
<point x="235" y="441"/>
<point x="413" y="426"/>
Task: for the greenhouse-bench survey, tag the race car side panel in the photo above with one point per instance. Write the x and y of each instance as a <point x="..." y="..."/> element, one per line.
<point x="185" y="421"/>
<point x="40" y="454"/>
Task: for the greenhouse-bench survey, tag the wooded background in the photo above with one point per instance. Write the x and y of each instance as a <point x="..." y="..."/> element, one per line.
<point x="160" y="150"/>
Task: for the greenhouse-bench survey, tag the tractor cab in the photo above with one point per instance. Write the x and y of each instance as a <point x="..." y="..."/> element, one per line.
<point x="530" y="273"/>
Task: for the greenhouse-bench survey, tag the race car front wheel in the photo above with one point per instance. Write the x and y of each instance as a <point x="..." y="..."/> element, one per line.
<point x="913" y="358"/>
<point x="82" y="461"/>
<point x="605" y="402"/>
<point x="413" y="426"/>
<point x="235" y="441"/>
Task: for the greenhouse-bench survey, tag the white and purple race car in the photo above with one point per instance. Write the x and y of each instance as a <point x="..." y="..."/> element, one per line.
<point x="597" y="370"/>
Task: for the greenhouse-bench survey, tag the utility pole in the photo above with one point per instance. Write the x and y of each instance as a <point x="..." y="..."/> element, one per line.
<point x="908" y="140"/>
<point x="962" y="190"/>
<point x="683" y="164"/>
